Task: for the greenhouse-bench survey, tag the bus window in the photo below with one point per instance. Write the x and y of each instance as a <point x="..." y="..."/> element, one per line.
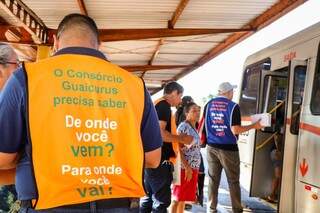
<point x="315" y="100"/>
<point x="275" y="93"/>
<point x="298" y="89"/>
<point x="250" y="87"/>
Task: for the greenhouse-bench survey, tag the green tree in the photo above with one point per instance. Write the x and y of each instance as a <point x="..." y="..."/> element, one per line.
<point x="7" y="198"/>
<point x="207" y="98"/>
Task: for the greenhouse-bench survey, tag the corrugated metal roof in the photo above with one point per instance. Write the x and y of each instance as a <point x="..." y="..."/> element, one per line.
<point x="221" y="14"/>
<point x="192" y="50"/>
<point x="51" y="12"/>
<point x="132" y="14"/>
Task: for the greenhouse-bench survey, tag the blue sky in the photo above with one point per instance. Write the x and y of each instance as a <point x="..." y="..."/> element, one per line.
<point x="229" y="65"/>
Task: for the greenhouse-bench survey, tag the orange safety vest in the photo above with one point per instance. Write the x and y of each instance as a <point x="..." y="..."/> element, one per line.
<point x="175" y="144"/>
<point x="84" y="117"/>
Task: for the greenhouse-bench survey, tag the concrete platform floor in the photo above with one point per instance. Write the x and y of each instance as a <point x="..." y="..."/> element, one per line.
<point x="251" y="204"/>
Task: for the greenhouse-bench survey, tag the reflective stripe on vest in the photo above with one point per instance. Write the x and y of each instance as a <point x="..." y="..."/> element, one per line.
<point x="84" y="119"/>
<point x="219" y="120"/>
<point x="175" y="144"/>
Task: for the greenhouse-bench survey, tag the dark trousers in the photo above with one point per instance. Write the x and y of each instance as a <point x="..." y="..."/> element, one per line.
<point x="200" y="188"/>
<point x="157" y="183"/>
<point x="219" y="159"/>
<point x="201" y="177"/>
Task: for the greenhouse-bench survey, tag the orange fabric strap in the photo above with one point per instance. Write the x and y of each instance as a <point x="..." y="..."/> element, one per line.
<point x="175" y="144"/>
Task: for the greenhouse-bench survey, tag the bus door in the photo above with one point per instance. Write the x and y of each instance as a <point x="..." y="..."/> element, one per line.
<point x="272" y="99"/>
<point x="298" y="70"/>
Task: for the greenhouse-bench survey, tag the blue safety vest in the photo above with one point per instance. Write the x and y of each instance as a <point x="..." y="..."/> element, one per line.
<point x="218" y="121"/>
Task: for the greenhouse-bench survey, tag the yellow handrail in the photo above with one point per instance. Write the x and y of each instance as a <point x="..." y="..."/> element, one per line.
<point x="296" y="113"/>
<point x="266" y="141"/>
<point x="272" y="136"/>
<point x="276" y="107"/>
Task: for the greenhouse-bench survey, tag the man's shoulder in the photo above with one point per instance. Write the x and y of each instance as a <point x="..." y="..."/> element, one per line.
<point x="20" y="76"/>
<point x="163" y="104"/>
<point x="16" y="84"/>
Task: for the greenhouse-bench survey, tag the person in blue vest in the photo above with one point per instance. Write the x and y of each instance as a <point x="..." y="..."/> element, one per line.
<point x="77" y="41"/>
<point x="222" y="120"/>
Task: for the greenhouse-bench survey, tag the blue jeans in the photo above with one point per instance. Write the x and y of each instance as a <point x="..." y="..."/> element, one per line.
<point x="92" y="210"/>
<point x="157" y="183"/>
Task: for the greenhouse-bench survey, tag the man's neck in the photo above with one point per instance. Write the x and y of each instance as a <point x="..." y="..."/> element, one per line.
<point x="222" y="96"/>
<point x="167" y="98"/>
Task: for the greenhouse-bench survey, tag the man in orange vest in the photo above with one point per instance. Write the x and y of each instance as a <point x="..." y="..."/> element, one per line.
<point x="158" y="181"/>
<point x="8" y="63"/>
<point x="85" y="128"/>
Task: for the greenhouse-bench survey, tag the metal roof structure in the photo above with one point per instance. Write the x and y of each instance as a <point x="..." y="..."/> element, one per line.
<point x="158" y="40"/>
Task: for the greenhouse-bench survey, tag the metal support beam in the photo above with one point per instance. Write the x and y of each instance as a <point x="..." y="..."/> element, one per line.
<point x="82" y="7"/>
<point x="26" y="18"/>
<point x="24" y="36"/>
<point x="156" y="52"/>
<point x="108" y="35"/>
<point x="154" y="55"/>
<point x="177" y="13"/>
<point x="142" y="68"/>
<point x="134" y="34"/>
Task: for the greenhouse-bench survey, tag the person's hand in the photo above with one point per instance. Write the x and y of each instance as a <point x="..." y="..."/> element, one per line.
<point x="188" y="173"/>
<point x="186" y="139"/>
<point x="257" y="125"/>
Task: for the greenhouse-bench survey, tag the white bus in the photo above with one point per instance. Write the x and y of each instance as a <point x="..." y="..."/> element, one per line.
<point x="284" y="79"/>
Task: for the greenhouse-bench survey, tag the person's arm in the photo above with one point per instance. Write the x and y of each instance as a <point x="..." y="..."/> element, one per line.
<point x="152" y="158"/>
<point x="150" y="134"/>
<point x="240" y="129"/>
<point x="188" y="169"/>
<point x="167" y="136"/>
<point x="7" y="177"/>
<point x="8" y="160"/>
<point x="182" y="129"/>
<point x="237" y="128"/>
<point x="12" y="122"/>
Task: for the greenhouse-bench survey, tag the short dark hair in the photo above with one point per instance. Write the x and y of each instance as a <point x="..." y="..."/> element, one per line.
<point x="188" y="106"/>
<point x="78" y="19"/>
<point x="171" y="87"/>
<point x="186" y="99"/>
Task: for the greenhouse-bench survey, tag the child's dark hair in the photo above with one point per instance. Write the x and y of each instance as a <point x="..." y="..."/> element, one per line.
<point x="188" y="106"/>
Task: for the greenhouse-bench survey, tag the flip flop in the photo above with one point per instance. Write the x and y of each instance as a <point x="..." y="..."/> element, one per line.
<point x="270" y="200"/>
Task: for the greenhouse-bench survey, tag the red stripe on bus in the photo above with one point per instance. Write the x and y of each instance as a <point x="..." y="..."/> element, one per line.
<point x="246" y="118"/>
<point x="310" y="128"/>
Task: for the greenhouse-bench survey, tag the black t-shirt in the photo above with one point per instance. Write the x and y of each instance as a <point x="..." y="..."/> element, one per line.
<point x="163" y="109"/>
<point x="236" y="120"/>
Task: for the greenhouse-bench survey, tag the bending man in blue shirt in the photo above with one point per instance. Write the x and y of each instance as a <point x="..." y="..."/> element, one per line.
<point x="8" y="63"/>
